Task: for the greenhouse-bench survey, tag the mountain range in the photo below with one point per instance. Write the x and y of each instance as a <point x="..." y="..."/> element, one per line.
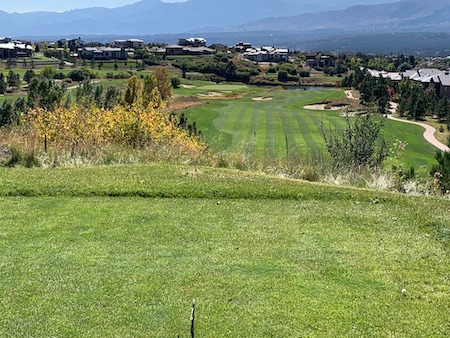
<point x="403" y="16"/>
<point x="226" y="17"/>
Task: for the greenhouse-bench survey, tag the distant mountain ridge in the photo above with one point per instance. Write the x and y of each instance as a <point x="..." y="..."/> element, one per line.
<point x="405" y="15"/>
<point x="145" y="17"/>
<point x="150" y="17"/>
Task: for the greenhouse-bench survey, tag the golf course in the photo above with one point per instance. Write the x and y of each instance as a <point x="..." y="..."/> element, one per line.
<point x="124" y="250"/>
<point x="271" y="123"/>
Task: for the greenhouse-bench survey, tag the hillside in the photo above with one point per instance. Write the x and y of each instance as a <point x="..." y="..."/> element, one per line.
<point x="123" y="251"/>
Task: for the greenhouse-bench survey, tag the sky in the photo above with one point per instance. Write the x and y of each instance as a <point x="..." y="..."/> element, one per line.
<point x="23" y="6"/>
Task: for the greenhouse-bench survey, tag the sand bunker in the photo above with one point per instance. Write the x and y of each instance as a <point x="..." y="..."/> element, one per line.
<point x="187" y="86"/>
<point x="211" y="94"/>
<point x="323" y="106"/>
<point x="262" y="98"/>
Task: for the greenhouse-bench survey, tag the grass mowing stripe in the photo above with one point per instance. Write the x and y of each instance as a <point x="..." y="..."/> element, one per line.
<point x="280" y="135"/>
<point x="306" y="132"/>
<point x="238" y="118"/>
<point x="315" y="135"/>
<point x="288" y="132"/>
<point x="252" y="132"/>
<point x="300" y="139"/>
<point x="260" y="142"/>
<point x="270" y="150"/>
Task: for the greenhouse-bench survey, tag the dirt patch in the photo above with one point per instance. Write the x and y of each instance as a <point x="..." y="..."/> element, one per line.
<point x="262" y="98"/>
<point x="183" y="103"/>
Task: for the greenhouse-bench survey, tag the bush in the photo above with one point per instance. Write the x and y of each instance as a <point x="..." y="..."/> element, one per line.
<point x="441" y="171"/>
<point x="59" y="76"/>
<point x="359" y="146"/>
<point x="81" y="75"/>
<point x="15" y="157"/>
<point x="304" y="73"/>
<point x="175" y="82"/>
<point x="283" y="76"/>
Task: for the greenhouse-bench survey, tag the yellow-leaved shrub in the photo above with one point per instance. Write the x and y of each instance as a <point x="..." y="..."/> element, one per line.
<point x="77" y="127"/>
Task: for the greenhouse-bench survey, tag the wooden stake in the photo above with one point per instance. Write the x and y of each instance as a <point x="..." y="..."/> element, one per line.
<point x="193" y="319"/>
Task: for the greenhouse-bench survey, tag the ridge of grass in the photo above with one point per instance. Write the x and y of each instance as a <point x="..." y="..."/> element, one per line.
<point x="169" y="181"/>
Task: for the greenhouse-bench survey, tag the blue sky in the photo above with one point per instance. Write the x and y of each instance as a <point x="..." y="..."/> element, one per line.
<point x="61" y="5"/>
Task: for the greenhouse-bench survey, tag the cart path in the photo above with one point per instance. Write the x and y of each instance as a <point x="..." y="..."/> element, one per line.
<point x="429" y="130"/>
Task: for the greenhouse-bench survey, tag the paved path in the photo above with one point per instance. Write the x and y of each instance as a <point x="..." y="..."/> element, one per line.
<point x="429" y="130"/>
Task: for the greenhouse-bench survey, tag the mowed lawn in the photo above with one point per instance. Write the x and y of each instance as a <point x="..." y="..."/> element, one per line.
<point x="122" y="252"/>
<point x="280" y="125"/>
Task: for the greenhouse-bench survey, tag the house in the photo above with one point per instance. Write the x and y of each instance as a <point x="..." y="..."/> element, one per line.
<point x="5" y="40"/>
<point x="105" y="53"/>
<point x="394" y="76"/>
<point x="242" y="46"/>
<point x="129" y="44"/>
<point x="7" y="51"/>
<point x="267" y="54"/>
<point x="436" y="79"/>
<point x="72" y="44"/>
<point x="192" y="42"/>
<point x="441" y="83"/>
<point x="174" y="50"/>
<point x="320" y="60"/>
<point x="15" y="49"/>
<point x="182" y="50"/>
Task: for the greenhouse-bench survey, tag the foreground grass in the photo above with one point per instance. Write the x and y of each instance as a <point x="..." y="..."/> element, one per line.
<point x="263" y="257"/>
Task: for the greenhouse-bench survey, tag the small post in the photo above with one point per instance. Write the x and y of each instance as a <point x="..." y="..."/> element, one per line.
<point x="287" y="147"/>
<point x="193" y="319"/>
<point x="45" y="143"/>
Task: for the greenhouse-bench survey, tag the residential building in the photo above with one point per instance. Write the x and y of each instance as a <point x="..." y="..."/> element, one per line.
<point x="242" y="46"/>
<point x="129" y="44"/>
<point x="320" y="60"/>
<point x="192" y="42"/>
<point x="72" y="44"/>
<point x="15" y="49"/>
<point x="182" y="50"/>
<point x="106" y="53"/>
<point x="436" y="79"/>
<point x="267" y="54"/>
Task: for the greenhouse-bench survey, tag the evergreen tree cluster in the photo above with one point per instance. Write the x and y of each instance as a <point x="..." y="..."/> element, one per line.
<point x="374" y="91"/>
<point x="417" y="103"/>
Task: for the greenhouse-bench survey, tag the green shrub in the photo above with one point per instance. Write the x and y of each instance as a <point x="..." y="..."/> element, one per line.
<point x="359" y="146"/>
<point x="304" y="73"/>
<point x="15" y="158"/>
